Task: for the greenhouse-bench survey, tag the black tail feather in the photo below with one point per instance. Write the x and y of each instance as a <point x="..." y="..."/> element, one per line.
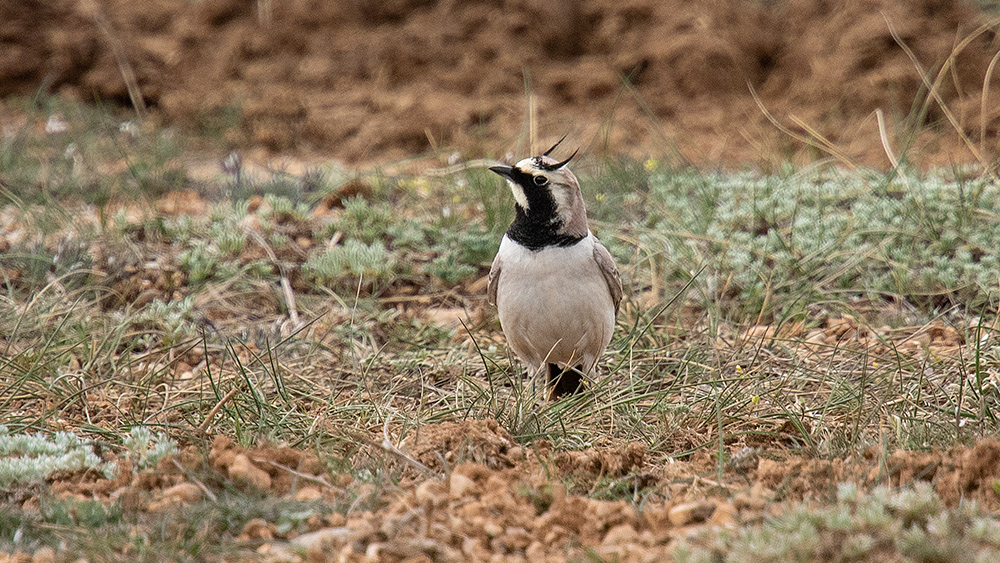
<point x="564" y="382"/>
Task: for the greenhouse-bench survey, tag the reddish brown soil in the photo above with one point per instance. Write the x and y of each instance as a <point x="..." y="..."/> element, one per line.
<point x="516" y="500"/>
<point x="366" y="82"/>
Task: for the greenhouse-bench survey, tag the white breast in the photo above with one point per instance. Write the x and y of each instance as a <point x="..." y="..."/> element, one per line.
<point x="554" y="304"/>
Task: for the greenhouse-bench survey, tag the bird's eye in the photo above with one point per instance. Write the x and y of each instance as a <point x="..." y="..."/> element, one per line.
<point x="541" y="180"/>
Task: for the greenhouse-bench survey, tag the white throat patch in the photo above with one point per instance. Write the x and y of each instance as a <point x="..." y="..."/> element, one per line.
<point x="562" y="197"/>
<point x="519" y="197"/>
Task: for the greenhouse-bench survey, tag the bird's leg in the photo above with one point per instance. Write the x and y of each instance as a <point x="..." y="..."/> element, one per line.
<point x="534" y="375"/>
<point x="564" y="381"/>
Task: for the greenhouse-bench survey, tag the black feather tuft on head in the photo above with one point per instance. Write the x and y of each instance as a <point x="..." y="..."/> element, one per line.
<point x="558" y="165"/>
<point x="553" y="147"/>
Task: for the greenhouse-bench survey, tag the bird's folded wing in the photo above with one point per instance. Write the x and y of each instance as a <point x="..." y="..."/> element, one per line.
<point x="608" y="270"/>
<point x="491" y="288"/>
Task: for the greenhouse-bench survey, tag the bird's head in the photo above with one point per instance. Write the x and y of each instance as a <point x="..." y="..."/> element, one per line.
<point x="546" y="191"/>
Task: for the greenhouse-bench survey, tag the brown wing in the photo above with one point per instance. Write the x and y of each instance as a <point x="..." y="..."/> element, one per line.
<point x="608" y="269"/>
<point x="491" y="288"/>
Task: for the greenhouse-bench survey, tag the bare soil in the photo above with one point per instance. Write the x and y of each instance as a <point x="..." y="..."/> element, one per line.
<point x="514" y="499"/>
<point x="366" y="82"/>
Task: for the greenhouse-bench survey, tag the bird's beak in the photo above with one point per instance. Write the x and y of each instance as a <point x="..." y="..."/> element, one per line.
<point x="503" y="171"/>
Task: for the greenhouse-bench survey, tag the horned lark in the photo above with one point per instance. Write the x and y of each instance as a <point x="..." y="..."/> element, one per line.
<point x="556" y="288"/>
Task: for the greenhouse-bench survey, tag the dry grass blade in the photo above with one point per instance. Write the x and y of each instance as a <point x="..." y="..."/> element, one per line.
<point x="299" y="474"/>
<point x="388" y="446"/>
<point x="286" y="286"/>
<point x="884" y="137"/>
<point x="987" y="80"/>
<point x="124" y="66"/>
<point x="830" y="147"/>
<point x="934" y="89"/>
<point x="532" y="123"/>
<point x="821" y="143"/>
<point x="203" y="428"/>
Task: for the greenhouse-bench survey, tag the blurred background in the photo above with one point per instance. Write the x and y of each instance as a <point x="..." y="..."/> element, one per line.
<point x="708" y="82"/>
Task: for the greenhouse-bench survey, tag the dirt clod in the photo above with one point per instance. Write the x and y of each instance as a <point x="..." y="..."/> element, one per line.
<point x="461" y="486"/>
<point x="325" y="539"/>
<point x="724" y="514"/>
<point x="607" y="462"/>
<point x="981" y="465"/>
<point x="803" y="478"/>
<point x="620" y="535"/>
<point x="307" y="494"/>
<point x="691" y="512"/>
<point x="188" y="493"/>
<point x="44" y="555"/>
<point x="431" y="493"/>
<point x="970" y="472"/>
<point x="242" y="470"/>
<point x="258" y="529"/>
<point x="478" y="441"/>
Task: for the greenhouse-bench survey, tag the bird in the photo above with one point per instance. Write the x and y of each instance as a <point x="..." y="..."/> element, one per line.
<point x="556" y="288"/>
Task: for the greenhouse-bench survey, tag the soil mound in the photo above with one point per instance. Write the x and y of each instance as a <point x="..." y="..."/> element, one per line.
<point x="475" y="512"/>
<point x="365" y="81"/>
<point x="476" y="441"/>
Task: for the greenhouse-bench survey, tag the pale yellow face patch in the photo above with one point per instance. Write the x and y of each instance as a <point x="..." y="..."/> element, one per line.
<point x="519" y="197"/>
<point x="560" y="192"/>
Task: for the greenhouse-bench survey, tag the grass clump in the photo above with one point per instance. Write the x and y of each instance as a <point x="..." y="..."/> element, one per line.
<point x="389" y="244"/>
<point x="160" y="323"/>
<point x="111" y="532"/>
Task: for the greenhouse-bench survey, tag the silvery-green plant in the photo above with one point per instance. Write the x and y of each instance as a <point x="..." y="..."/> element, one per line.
<point x="913" y="520"/>
<point x="31" y="458"/>
<point x="365" y="221"/>
<point x="173" y="318"/>
<point x="146" y="449"/>
<point x="282" y="208"/>
<point x="230" y="239"/>
<point x="353" y="258"/>
<point x="772" y="236"/>
<point x="450" y="269"/>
